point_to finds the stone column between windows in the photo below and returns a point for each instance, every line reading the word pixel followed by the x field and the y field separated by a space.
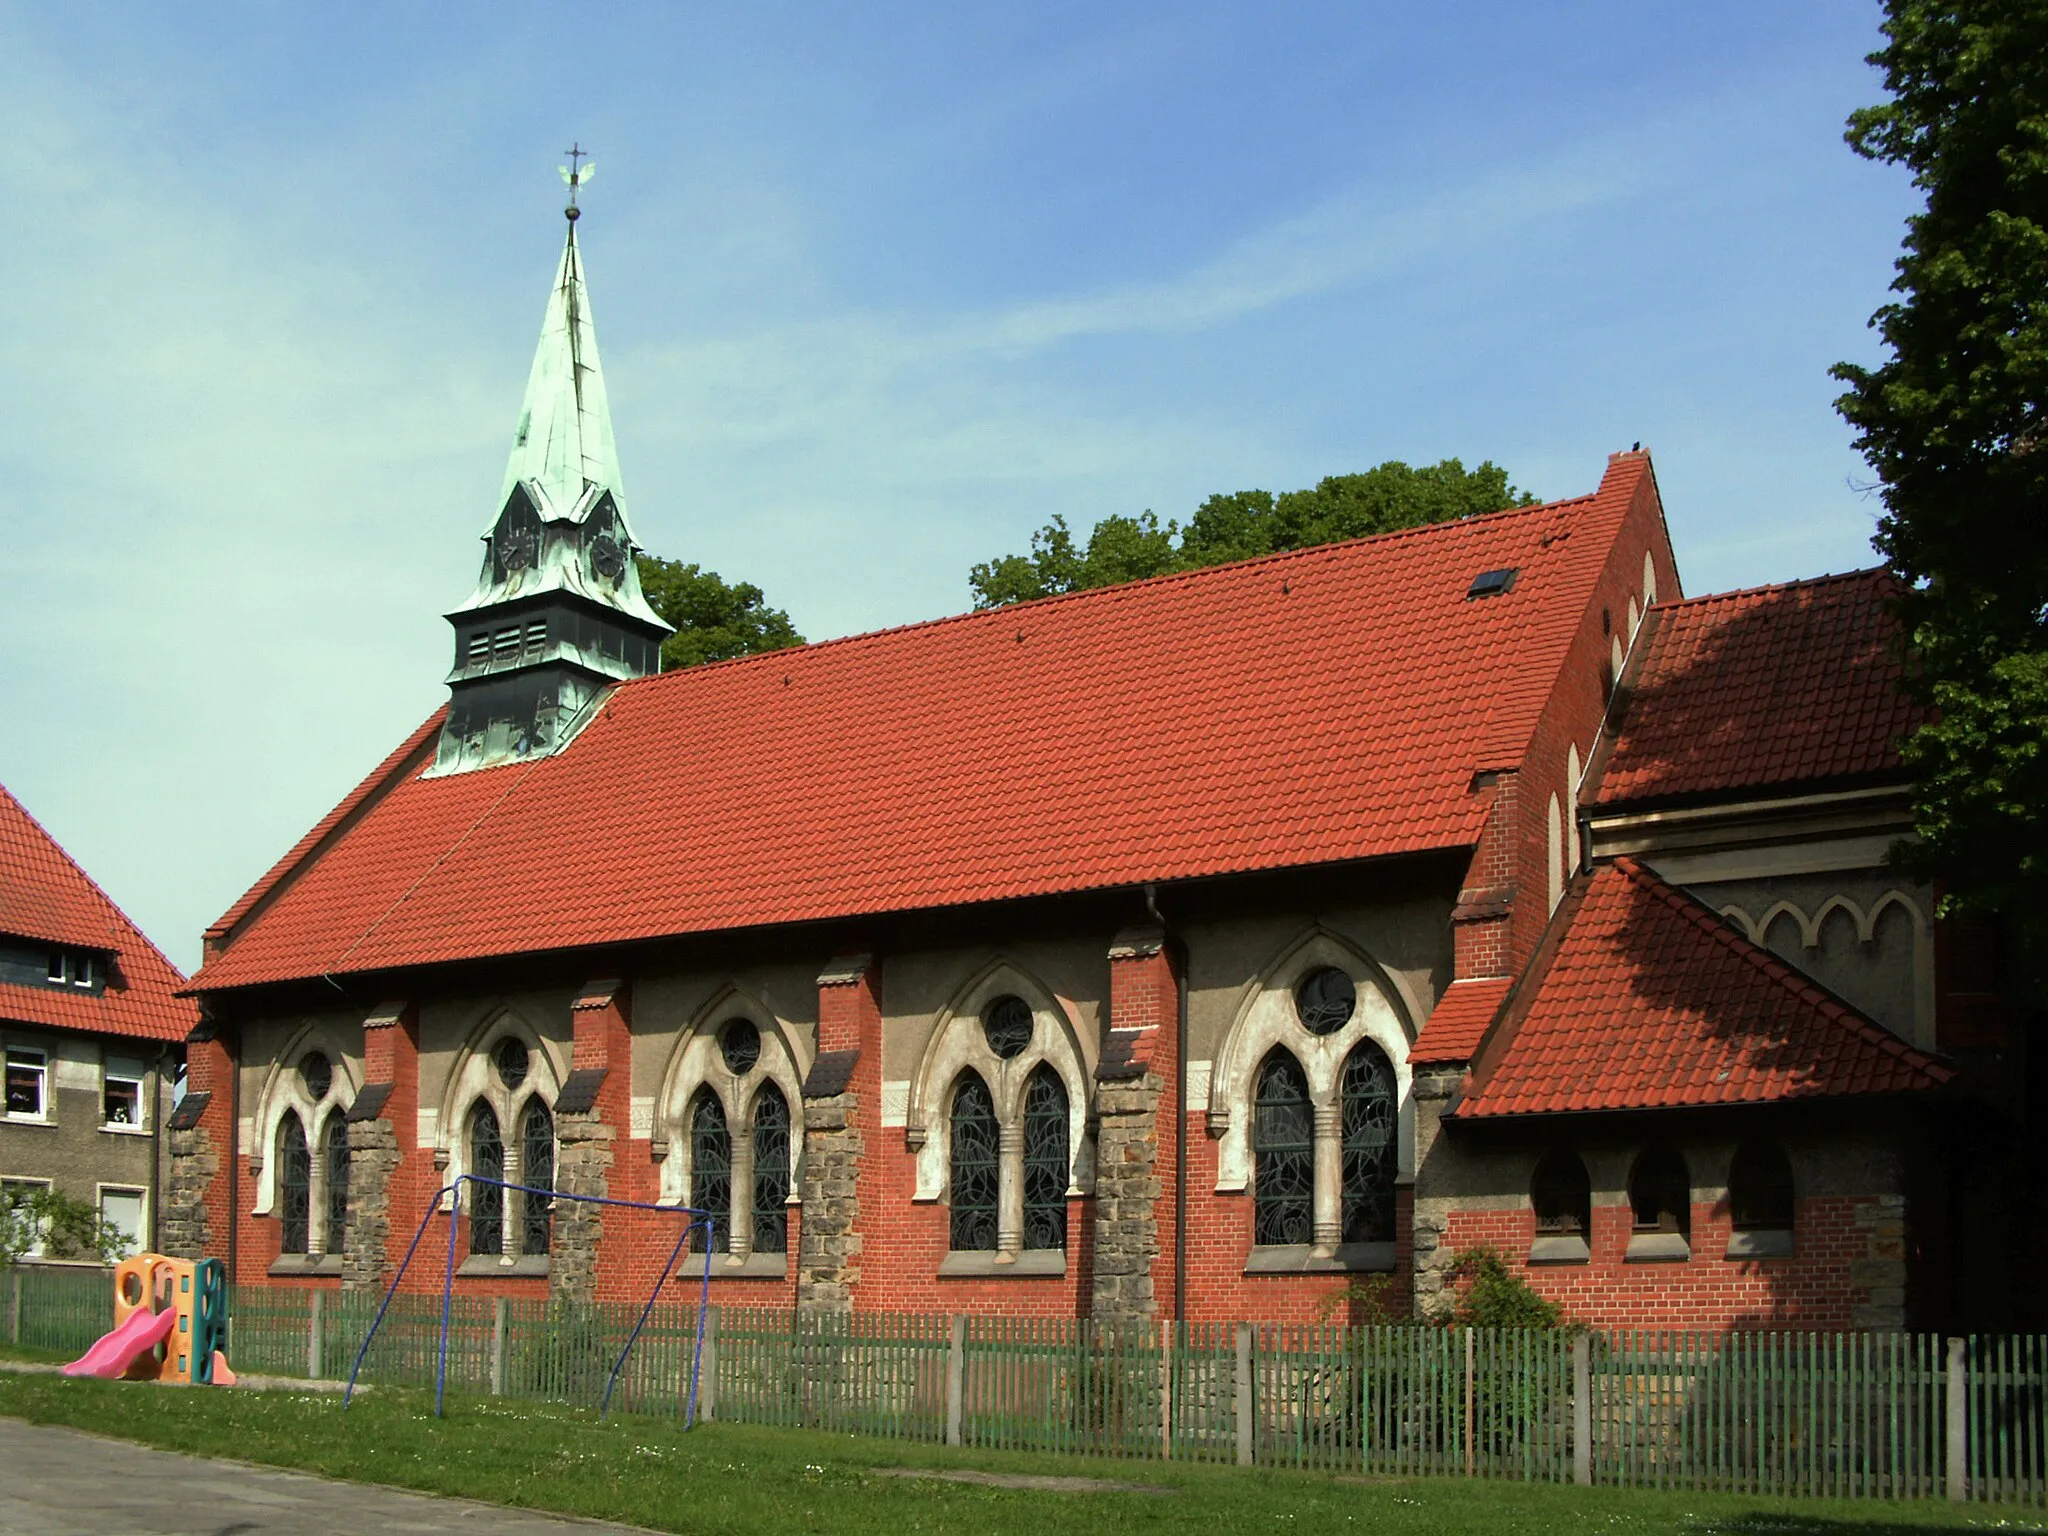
pixel 389 1099
pixel 1010 1188
pixel 1329 1205
pixel 742 1166
pixel 842 1120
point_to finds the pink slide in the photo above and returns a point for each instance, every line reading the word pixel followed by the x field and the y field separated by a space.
pixel 116 1351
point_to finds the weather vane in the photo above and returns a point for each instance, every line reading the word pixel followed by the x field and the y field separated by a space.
pixel 575 176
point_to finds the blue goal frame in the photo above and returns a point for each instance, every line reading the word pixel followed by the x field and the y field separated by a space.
pixel 452 1193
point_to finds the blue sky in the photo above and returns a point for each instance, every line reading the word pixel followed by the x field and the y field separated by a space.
pixel 879 290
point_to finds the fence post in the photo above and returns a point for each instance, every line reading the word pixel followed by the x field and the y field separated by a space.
pixel 1471 1349
pixel 313 1317
pixel 956 1381
pixel 1166 1340
pixel 1958 1394
pixel 1582 1411
pixel 1242 1395
pixel 499 1314
pixel 14 1309
pixel 707 1369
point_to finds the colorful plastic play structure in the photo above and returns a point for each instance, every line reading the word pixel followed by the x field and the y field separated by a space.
pixel 170 1324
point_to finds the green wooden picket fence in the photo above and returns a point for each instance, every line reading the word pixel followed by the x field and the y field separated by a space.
pixel 1850 1415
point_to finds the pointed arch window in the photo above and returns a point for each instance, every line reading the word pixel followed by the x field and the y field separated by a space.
pixel 1045 1160
pixel 334 1153
pixel 1283 1154
pixel 711 1169
pixel 536 1171
pixel 976 1162
pixel 294 1184
pixel 771 1171
pixel 1371 1150
pixel 486 1201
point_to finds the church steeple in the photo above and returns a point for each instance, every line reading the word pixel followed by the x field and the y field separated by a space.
pixel 557 614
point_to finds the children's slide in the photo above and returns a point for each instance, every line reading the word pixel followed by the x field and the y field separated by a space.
pixel 141 1332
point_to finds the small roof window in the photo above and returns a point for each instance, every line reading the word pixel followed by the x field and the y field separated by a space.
pixel 1492 583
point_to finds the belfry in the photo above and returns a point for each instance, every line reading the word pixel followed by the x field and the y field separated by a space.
pixel 557 615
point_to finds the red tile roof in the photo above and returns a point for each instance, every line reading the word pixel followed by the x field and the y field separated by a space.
pixel 1771 687
pixel 44 896
pixel 1648 1000
pixel 1325 705
pixel 1458 1022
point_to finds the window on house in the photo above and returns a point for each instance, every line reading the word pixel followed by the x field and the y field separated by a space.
pixel 1045 1160
pixel 28 1083
pixel 1562 1194
pixel 976 1162
pixel 1371 1152
pixel 317 1073
pixel 1325 1000
pixel 1283 1154
pixel 771 1171
pixel 512 1060
pixel 1760 1194
pixel 121 1091
pixel 294 1185
pixel 334 1153
pixel 486 1201
pixel 739 1046
pixel 536 1171
pixel 71 968
pixel 711 1170
pixel 1007 1025
pixel 122 1209
pixel 15 1195
pixel 1660 1200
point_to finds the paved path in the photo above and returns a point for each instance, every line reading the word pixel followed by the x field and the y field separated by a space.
pixel 60 1482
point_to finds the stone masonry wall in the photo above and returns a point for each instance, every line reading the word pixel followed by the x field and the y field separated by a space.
pixel 373 1158
pixel 583 1162
pixel 829 1244
pixel 185 1230
pixel 1128 1191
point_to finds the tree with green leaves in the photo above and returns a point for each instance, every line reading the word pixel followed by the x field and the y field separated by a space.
pixel 1244 524
pixel 715 620
pixel 1952 422
pixel 38 1218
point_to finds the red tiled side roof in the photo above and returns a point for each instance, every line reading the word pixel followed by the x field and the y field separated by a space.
pixel 1775 686
pixel 1650 1001
pixel 1325 705
pixel 1458 1022
pixel 45 896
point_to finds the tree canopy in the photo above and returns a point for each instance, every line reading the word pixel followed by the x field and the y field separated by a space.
pixel 1952 423
pixel 1242 524
pixel 715 620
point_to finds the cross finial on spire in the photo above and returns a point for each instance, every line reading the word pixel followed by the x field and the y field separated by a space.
pixel 576 174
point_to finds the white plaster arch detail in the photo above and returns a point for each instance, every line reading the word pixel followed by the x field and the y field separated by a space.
pixel 1809 935
pixel 283 1088
pixel 1890 899
pixel 1266 1018
pixel 695 1061
pixel 1635 618
pixel 1649 580
pixel 1859 920
pixel 1574 772
pixel 957 1042
pixel 1923 960
pixel 473 1076
pixel 1749 929
pixel 1554 852
pixel 1615 657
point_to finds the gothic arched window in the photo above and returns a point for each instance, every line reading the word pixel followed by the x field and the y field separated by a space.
pixel 1045 1160
pixel 536 1171
pixel 976 1160
pixel 294 1184
pixel 1760 1196
pixel 711 1169
pixel 771 1171
pixel 486 1201
pixel 1283 1154
pixel 334 1149
pixel 1371 1154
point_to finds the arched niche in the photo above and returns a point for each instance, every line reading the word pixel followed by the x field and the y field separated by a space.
pixel 697 1061
pixel 473 1075
pixel 1266 1017
pixel 957 1042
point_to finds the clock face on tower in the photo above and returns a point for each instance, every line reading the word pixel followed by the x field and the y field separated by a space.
pixel 607 558
pixel 515 544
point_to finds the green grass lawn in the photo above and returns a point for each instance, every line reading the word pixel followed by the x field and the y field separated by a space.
pixel 732 1478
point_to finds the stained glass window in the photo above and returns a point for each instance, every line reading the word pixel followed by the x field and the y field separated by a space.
pixel 711 1170
pixel 976 1155
pixel 771 1171
pixel 1283 1154
pixel 486 1201
pixel 1371 1149
pixel 335 1151
pixel 1325 1001
pixel 1045 1160
pixel 536 1171
pixel 1760 1188
pixel 1562 1195
pixel 1006 1025
pixel 294 1183
pixel 739 1042
pixel 318 1074
pixel 512 1059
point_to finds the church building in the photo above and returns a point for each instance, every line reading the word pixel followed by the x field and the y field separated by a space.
pixel 1240 944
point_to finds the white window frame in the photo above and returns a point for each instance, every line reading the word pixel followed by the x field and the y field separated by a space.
pixel 42 1069
pixel 141 1194
pixel 140 1078
pixel 35 1250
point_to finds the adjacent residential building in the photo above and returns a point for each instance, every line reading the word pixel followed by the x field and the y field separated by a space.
pixel 1238 944
pixel 93 1032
